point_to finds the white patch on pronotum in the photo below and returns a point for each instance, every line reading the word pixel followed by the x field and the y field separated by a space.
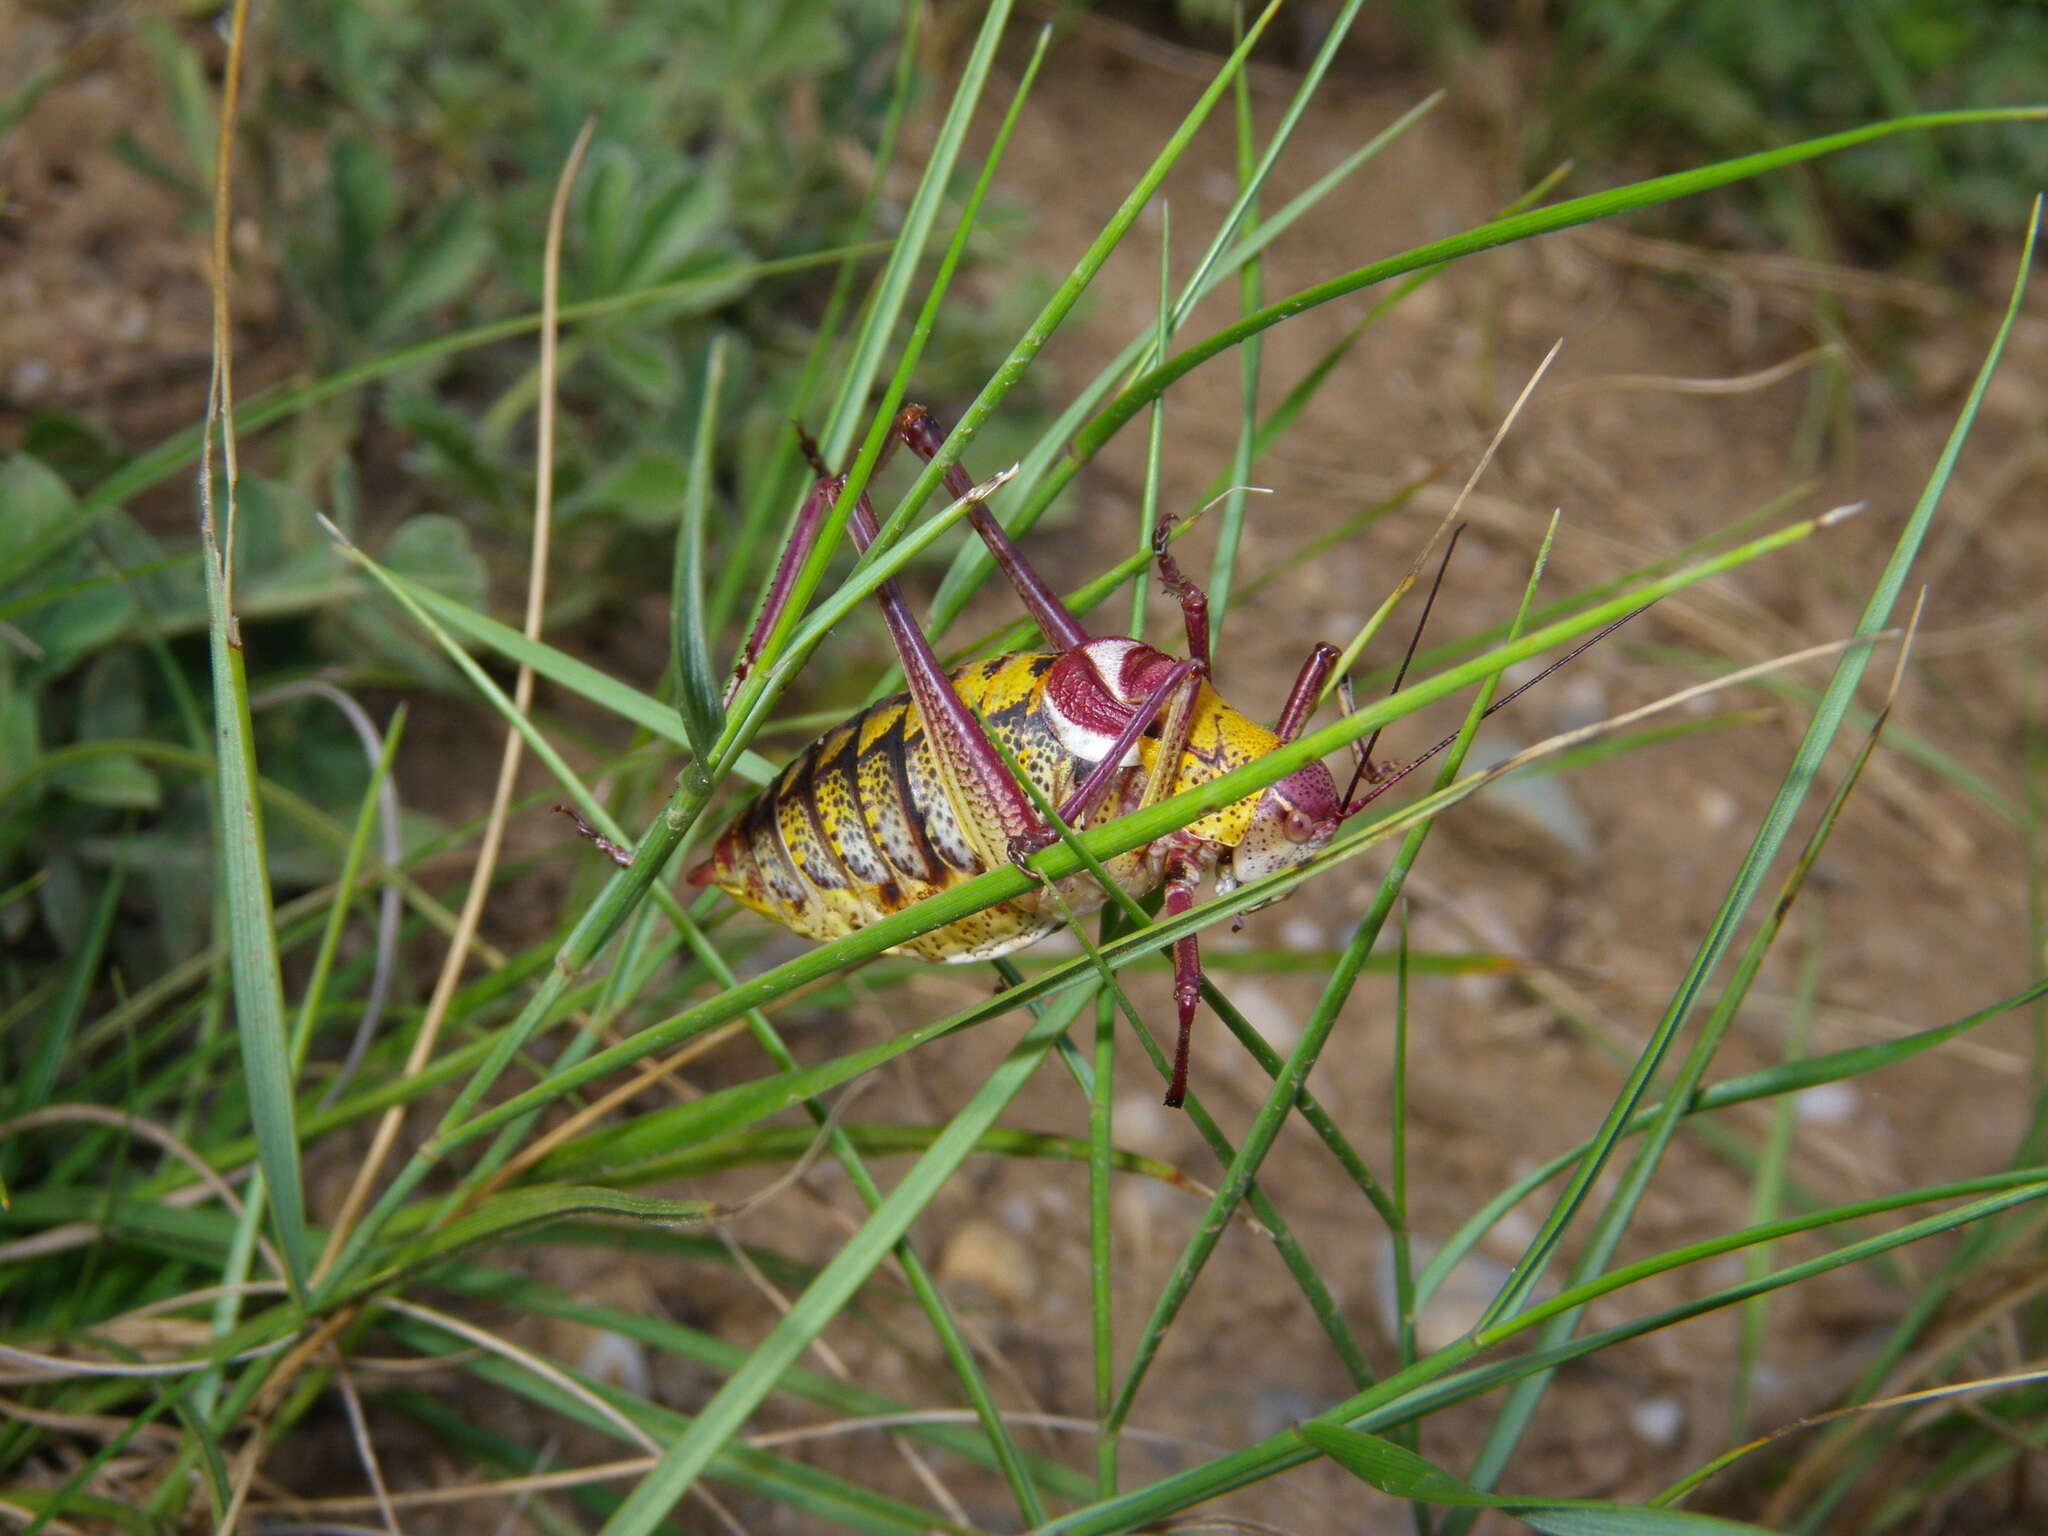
pixel 1085 715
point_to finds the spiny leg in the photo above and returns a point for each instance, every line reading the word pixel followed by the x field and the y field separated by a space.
pixel 1308 687
pixel 1194 602
pixel 623 857
pixel 1187 978
pixel 808 518
pixel 918 431
pixel 994 811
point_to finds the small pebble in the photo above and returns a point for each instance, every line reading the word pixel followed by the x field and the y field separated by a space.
pixel 618 1361
pixel 1020 1214
pixel 1658 1420
pixel 1302 934
pixel 1717 809
pixel 983 1255
pixel 1827 1104
pixel 31 376
pixel 1280 1024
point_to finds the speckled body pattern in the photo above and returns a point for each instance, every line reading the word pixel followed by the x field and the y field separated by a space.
pixel 859 825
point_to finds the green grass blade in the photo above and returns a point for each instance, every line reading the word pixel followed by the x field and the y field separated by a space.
pixel 1777 820
pixel 1230 526
pixel 252 938
pixel 892 286
pixel 1243 1166
pixel 1155 433
pixel 45 1056
pixel 579 677
pixel 697 690
pixel 1763 849
pixel 1101 1270
pixel 315 991
pixel 834 1503
pixel 734 1403
pixel 1770 1082
pixel 1767 1199
pixel 1068 294
pixel 527 1209
pixel 973 563
pixel 774 479
pixel 1292 1077
pixel 1442 1378
pixel 1498 232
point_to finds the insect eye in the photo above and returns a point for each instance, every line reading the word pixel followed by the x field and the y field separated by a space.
pixel 1299 826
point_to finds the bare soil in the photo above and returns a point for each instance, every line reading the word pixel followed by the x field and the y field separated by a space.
pixel 1601 886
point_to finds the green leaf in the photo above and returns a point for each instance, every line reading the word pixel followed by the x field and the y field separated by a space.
pixel 20 739
pixel 1624 1520
pixel 75 627
pixel 438 263
pixel 35 508
pixel 1388 1467
pixel 644 365
pixel 645 487
pixel 252 933
pixel 365 208
pixel 674 226
pixel 457 453
pixel 434 551
pixel 76 447
pixel 190 100
pixel 42 1056
pixel 110 696
pixel 120 782
pixel 607 215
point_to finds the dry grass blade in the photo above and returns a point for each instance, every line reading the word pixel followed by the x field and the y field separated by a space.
pixel 462 1493
pixel 366 1449
pixel 1740 384
pixel 567 1130
pixel 526 1360
pixel 36 1366
pixel 2035 1372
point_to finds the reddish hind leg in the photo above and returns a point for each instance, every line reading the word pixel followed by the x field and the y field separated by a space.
pixel 916 429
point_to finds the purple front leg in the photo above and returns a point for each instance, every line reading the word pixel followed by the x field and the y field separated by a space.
pixel 1308 686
